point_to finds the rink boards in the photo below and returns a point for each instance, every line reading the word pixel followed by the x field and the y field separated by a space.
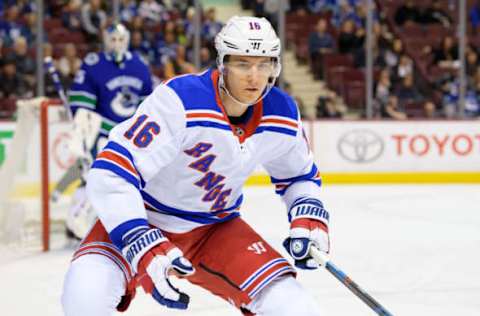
pixel 394 152
pixel 345 152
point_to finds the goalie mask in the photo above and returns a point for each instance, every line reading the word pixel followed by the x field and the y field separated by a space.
pixel 248 36
pixel 116 39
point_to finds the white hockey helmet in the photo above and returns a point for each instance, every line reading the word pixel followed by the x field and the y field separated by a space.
pixel 116 39
pixel 248 36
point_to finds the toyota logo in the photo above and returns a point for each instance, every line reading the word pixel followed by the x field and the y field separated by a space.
pixel 360 146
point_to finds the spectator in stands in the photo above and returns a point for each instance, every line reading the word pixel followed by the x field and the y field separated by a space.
pixel 94 20
pixel 344 12
pixel 26 6
pixel 169 26
pixel 471 61
pixel 180 33
pixel 71 16
pixel 349 39
pixel 434 14
pixel 474 79
pixel 330 106
pixel 178 65
pixel 206 61
pixel 30 30
pixel 475 16
pixel 25 65
pixel 10 28
pixel 392 109
pixel 383 37
pixel 152 12
pixel 13 84
pixel 47 49
pixel 211 26
pixel 143 47
pixel 316 6
pixel 403 69
pixel 472 102
pixel 430 111
pixel 383 87
pixel 182 6
pixel 407 92
pixel 166 49
pixel 320 42
pixel 446 56
pixel 407 13
pixel 128 9
pixel 138 25
pixel 69 63
pixel 450 91
pixel 392 55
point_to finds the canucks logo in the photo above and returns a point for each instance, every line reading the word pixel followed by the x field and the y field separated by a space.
pixel 125 102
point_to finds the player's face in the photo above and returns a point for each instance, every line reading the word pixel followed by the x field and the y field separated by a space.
pixel 118 43
pixel 247 76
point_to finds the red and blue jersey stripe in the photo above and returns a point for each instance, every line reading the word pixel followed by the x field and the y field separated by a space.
pixel 117 159
pixel 281 185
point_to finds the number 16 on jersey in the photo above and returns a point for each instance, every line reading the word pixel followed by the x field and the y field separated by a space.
pixel 142 132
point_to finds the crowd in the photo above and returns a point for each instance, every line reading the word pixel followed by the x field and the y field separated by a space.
pixel 416 60
pixel 161 32
pixel 415 55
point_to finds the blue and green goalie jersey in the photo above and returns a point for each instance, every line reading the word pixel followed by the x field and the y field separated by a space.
pixel 112 90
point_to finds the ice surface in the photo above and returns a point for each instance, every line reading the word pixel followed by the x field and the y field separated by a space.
pixel 416 249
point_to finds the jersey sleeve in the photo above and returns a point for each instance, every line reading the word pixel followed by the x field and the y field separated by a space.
pixel 293 172
pixel 83 91
pixel 137 150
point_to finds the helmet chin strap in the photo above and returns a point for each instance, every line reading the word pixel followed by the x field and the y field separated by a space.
pixel 222 85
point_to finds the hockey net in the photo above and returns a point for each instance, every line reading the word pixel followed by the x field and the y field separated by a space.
pixel 36 157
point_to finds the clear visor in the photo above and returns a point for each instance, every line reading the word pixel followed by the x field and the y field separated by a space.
pixel 263 68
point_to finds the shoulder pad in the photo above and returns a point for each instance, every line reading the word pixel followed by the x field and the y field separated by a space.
pixel 91 59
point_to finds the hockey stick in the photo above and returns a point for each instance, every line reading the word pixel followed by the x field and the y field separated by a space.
pixel 50 68
pixel 76 170
pixel 352 286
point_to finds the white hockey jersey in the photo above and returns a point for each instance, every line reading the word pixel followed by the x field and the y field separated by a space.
pixel 178 163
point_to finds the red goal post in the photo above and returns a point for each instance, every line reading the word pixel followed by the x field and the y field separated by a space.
pixel 36 158
pixel 45 169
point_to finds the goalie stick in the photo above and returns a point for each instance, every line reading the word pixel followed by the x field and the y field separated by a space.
pixel 50 68
pixel 345 280
pixel 77 170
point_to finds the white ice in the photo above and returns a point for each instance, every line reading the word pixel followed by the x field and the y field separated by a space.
pixel 416 249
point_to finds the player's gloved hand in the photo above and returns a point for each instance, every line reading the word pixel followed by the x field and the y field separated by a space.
pixel 308 228
pixel 153 257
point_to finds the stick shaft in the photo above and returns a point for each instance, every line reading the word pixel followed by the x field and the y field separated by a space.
pixel 48 63
pixel 349 283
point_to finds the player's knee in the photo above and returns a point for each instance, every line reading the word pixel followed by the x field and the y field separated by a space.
pixel 284 297
pixel 93 286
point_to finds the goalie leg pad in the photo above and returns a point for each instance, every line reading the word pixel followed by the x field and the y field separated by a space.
pixel 86 127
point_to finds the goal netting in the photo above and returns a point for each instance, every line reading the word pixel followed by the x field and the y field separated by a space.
pixel 35 159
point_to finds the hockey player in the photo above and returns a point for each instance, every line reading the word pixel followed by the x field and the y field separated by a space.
pixel 168 188
pixel 106 90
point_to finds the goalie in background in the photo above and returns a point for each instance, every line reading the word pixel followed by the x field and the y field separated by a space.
pixel 107 89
